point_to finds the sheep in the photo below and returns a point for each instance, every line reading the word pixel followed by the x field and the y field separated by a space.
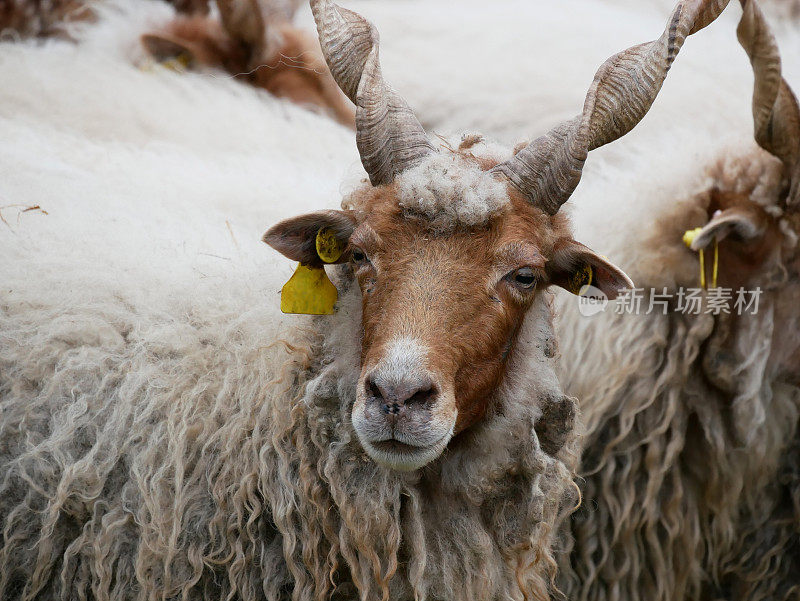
pixel 163 433
pixel 255 39
pixel 689 458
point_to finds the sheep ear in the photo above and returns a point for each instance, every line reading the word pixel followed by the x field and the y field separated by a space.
pixel 296 238
pixel 574 266
pixel 745 223
pixel 163 47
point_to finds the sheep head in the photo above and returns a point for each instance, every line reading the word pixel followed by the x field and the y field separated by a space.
pixel 443 296
pixel 451 249
pixel 738 215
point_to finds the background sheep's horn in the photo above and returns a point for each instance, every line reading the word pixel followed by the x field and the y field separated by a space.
pixel 775 110
pixel 548 170
pixel 389 136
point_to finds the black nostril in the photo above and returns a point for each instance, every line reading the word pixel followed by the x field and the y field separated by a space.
pixel 421 396
pixel 373 390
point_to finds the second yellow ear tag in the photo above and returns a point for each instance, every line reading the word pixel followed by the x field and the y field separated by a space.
pixel 581 277
pixel 179 63
pixel 309 292
pixel 690 235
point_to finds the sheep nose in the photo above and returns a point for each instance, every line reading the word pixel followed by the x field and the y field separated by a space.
pixel 394 397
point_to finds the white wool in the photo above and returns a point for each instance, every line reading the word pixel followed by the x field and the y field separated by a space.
pixel 153 182
pixel 449 190
pixel 512 69
pixel 509 69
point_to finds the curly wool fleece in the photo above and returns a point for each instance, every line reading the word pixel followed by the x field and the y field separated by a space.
pixel 148 455
pixel 449 191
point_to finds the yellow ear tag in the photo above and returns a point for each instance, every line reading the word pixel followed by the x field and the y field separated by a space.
pixel 688 238
pixel 690 235
pixel 309 291
pixel 329 248
pixel 581 277
pixel 179 63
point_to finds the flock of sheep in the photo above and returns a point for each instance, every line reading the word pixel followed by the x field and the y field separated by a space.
pixel 463 426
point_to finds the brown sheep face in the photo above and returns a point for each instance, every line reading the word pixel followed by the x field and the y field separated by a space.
pixel 442 305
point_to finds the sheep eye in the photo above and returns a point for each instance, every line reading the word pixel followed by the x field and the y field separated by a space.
pixel 358 255
pixel 523 278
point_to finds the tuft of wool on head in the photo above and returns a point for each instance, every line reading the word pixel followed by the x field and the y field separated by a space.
pixel 450 190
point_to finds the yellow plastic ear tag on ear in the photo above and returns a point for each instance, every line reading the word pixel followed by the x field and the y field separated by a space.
pixel 688 238
pixel 329 248
pixel 179 63
pixel 580 278
pixel 690 235
pixel 309 292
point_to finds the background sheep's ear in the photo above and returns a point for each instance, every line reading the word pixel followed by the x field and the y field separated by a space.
pixel 745 222
pixel 296 238
pixel 163 47
pixel 574 265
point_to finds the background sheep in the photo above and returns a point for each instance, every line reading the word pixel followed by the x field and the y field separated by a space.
pixel 256 41
pixel 692 419
pixel 42 18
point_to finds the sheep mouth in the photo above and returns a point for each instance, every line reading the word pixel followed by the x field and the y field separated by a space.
pixel 395 446
pixel 403 456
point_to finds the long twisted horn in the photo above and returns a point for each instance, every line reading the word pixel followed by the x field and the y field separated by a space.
pixel 390 139
pixel 548 170
pixel 776 114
